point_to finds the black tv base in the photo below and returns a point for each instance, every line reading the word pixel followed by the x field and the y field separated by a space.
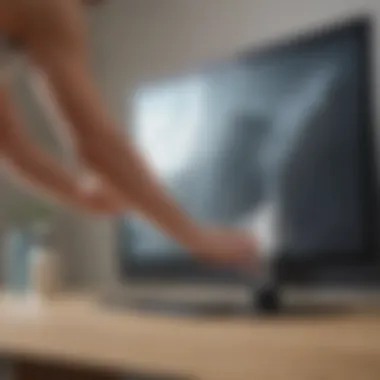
pixel 267 300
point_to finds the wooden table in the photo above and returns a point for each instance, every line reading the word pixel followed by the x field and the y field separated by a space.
pixel 75 338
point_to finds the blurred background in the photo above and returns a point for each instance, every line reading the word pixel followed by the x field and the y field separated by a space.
pixel 134 42
pixel 137 41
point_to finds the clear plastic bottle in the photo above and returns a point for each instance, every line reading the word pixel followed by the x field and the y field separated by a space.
pixel 44 276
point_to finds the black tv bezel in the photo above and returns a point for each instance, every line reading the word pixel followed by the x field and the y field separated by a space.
pixel 365 267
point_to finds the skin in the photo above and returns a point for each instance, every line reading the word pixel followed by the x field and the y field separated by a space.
pixel 53 35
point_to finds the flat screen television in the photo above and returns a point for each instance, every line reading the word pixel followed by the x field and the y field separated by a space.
pixel 289 126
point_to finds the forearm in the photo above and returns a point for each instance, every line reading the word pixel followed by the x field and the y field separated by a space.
pixel 112 155
pixel 90 181
pixel 29 164
pixel 115 157
pixel 105 148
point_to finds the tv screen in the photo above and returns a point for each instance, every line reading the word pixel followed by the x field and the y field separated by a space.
pixel 284 129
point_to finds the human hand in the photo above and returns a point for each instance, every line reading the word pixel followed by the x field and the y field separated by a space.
pixel 226 246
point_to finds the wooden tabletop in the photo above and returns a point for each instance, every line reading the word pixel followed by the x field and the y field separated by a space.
pixel 80 331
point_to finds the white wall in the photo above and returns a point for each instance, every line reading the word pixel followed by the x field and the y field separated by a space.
pixel 137 40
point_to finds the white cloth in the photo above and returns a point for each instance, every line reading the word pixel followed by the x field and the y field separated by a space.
pixel 262 224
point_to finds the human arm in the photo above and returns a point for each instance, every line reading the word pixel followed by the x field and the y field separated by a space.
pixel 31 165
pixel 55 41
pixel 101 192
pixel 57 45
